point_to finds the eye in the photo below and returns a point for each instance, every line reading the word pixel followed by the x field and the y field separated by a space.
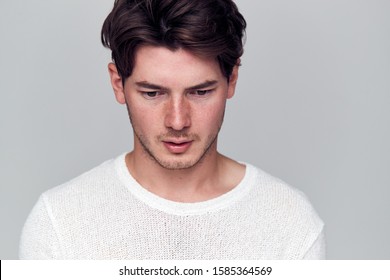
pixel 150 94
pixel 201 92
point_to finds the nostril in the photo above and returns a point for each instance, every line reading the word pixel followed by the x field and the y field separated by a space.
pixel 178 121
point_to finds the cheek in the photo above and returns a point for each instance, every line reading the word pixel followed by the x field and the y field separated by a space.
pixel 211 115
pixel 141 119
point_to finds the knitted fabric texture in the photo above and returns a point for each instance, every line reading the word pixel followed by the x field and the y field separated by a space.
pixel 106 214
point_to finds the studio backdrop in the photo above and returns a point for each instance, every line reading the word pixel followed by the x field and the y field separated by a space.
pixel 311 107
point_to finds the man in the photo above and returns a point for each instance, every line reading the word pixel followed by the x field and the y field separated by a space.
pixel 175 64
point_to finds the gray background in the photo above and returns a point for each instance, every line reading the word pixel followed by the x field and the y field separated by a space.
pixel 311 108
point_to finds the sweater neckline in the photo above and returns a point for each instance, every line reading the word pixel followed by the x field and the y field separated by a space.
pixel 183 208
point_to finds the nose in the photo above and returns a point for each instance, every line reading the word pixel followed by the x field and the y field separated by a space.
pixel 178 113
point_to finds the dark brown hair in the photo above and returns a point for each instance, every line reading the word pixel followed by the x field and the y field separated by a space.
pixel 208 28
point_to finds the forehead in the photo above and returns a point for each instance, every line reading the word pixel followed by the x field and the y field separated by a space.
pixel 160 64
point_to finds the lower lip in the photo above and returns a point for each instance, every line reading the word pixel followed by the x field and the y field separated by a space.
pixel 177 148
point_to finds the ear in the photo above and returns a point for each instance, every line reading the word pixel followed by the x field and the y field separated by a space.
pixel 233 80
pixel 117 84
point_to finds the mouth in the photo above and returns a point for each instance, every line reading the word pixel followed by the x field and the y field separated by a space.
pixel 177 147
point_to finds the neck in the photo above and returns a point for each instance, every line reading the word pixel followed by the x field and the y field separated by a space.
pixel 209 178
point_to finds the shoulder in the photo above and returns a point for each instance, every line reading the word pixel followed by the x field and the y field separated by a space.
pixel 286 211
pixel 90 189
pixel 67 210
pixel 278 193
pixel 91 181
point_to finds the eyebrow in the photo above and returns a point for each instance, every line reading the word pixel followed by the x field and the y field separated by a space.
pixel 148 85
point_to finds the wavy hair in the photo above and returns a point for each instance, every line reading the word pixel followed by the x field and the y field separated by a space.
pixel 208 28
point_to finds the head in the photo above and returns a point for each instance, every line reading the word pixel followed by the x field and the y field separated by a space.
pixel 206 28
pixel 177 112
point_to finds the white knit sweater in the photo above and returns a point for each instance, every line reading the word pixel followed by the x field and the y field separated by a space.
pixel 106 214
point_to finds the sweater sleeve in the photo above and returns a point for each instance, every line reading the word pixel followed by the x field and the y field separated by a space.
pixel 317 250
pixel 39 240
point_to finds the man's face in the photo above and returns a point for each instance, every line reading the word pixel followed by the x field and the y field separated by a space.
pixel 176 103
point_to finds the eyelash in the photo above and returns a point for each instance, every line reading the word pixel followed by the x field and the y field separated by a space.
pixel 155 94
pixel 202 92
pixel 146 94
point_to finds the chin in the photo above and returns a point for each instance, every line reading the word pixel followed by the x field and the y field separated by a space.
pixel 177 164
